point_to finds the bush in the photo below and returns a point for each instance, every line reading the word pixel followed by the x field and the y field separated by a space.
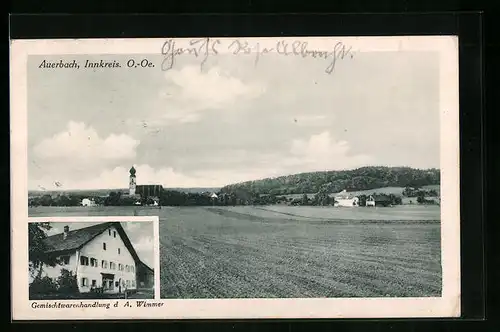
pixel 43 285
pixel 67 282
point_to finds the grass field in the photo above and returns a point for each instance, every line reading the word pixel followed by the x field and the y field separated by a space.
pixel 398 191
pixel 277 251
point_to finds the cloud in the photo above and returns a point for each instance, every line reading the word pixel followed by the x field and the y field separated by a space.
pixel 131 226
pixel 212 88
pixel 189 92
pixel 144 246
pixel 317 152
pixel 82 144
pixel 144 243
pixel 116 178
pixel 146 174
pixel 322 152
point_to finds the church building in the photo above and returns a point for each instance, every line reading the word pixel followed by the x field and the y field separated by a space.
pixel 144 192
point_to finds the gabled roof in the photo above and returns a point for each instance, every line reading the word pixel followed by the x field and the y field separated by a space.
pixel 77 238
pixel 145 266
pixel 345 196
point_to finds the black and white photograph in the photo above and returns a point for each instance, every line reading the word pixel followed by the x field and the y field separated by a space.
pixel 89 260
pixel 279 168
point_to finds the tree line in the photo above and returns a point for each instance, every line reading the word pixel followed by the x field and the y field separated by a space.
pixel 364 178
pixel 239 196
pixel 419 192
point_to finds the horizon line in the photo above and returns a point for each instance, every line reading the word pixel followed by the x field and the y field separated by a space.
pixel 236 183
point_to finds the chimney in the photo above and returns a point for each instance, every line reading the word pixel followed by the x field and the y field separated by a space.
pixel 66 231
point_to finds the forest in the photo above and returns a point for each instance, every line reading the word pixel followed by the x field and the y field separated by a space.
pixel 364 178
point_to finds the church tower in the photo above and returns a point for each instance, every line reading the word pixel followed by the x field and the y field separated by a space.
pixel 132 182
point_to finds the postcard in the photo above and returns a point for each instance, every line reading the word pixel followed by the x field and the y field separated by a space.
pixel 235 178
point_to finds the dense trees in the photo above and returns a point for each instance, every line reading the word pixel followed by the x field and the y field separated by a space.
pixel 66 284
pixel 58 200
pixel 37 248
pixel 38 259
pixel 364 178
pixel 416 192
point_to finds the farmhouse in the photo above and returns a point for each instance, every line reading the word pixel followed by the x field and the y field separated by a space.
pixel 345 199
pixel 101 256
pixel 88 202
pixel 378 200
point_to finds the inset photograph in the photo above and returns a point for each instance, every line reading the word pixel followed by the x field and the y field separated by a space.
pixel 91 260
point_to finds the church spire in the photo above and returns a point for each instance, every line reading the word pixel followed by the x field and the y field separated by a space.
pixel 132 185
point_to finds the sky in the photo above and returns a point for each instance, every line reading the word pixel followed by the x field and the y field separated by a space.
pixel 229 121
pixel 141 234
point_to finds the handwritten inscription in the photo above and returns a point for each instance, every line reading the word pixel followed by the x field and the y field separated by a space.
pixel 203 48
pixel 199 48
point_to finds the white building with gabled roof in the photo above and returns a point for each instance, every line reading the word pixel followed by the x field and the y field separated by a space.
pixel 101 256
pixel 345 199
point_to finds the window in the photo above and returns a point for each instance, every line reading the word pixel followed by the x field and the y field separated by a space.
pixel 132 269
pixel 93 262
pixel 104 264
pixel 128 283
pixel 133 283
pixel 120 267
pixel 118 251
pixel 117 284
pixel 114 233
pixel 127 268
pixel 84 260
pixel 65 260
pixel 104 246
pixel 85 282
pixel 109 232
pixel 112 266
pixel 94 283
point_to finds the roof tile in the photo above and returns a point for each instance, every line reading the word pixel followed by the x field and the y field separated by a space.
pixel 76 238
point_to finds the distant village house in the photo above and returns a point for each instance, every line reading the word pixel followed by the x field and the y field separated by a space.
pixel 378 200
pixel 345 199
pixel 88 202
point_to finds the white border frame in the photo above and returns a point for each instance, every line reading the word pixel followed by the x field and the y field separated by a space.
pixel 448 305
